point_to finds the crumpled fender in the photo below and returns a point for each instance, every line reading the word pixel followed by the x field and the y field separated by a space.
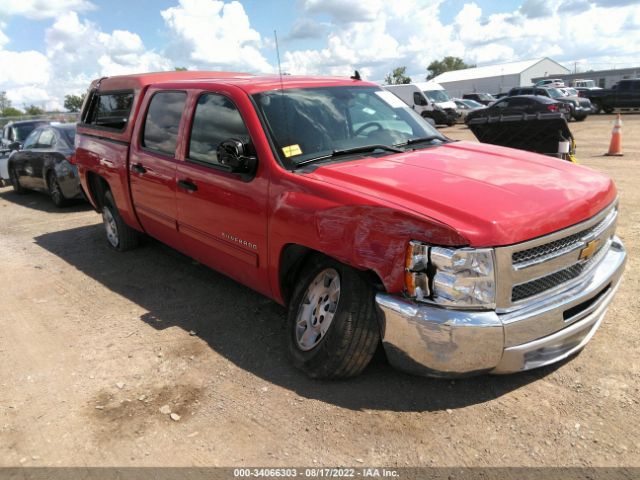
pixel 366 237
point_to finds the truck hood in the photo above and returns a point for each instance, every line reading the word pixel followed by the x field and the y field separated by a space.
pixel 490 195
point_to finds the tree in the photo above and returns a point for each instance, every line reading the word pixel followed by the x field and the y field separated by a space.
pixel 33 110
pixel 11 112
pixel 180 69
pixel 447 64
pixel 397 77
pixel 73 103
pixel 5 103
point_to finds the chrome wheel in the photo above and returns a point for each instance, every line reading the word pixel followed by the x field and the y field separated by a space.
pixel 317 309
pixel 110 226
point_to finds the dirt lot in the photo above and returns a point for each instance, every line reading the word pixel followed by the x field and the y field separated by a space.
pixel 94 342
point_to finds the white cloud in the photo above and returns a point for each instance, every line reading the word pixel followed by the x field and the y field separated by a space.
pixel 342 11
pixel 41 9
pixel 213 34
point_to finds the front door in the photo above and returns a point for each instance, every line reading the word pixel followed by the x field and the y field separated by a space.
pixel 222 217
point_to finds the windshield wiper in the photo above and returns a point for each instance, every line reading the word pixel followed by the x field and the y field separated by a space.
pixel 349 151
pixel 412 141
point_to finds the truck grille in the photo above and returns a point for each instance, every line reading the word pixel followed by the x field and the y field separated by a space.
pixel 529 269
pixel 535 287
pixel 556 247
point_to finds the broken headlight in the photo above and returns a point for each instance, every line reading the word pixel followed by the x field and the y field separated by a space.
pixel 452 277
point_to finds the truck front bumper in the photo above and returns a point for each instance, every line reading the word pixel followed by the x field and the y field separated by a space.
pixel 428 340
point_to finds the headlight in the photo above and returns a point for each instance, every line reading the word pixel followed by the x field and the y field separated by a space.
pixel 461 277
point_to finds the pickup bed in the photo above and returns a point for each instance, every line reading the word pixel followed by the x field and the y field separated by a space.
pixel 332 197
pixel 624 95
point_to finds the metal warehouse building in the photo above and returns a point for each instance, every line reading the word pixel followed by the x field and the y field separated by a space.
pixel 498 78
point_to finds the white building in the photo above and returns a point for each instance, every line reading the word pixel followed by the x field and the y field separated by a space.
pixel 498 78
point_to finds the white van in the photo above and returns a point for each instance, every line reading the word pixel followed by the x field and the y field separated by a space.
pixel 416 98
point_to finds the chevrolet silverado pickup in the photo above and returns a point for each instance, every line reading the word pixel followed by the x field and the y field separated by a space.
pixel 334 198
pixel 625 94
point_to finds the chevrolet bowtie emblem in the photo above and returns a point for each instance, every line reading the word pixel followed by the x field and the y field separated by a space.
pixel 589 249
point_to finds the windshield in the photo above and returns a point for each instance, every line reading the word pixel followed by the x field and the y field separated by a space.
pixel 22 131
pixel 309 123
pixel 473 104
pixel 486 97
pixel 555 93
pixel 437 96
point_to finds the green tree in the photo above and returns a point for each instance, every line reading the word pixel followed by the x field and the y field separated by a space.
pixel 4 103
pixel 447 64
pixel 33 110
pixel 397 77
pixel 180 69
pixel 73 103
pixel 11 112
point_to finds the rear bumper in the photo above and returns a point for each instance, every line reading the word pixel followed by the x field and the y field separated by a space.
pixel 428 340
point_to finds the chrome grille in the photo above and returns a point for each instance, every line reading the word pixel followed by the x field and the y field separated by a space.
pixel 530 289
pixel 555 247
pixel 528 270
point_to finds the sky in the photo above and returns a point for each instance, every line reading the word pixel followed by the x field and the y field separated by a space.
pixel 50 48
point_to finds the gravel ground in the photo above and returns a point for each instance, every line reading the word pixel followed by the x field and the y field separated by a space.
pixel 98 349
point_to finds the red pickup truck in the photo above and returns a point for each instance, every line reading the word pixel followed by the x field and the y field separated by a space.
pixel 334 198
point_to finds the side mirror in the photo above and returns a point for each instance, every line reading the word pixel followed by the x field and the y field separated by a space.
pixel 232 154
pixel 14 146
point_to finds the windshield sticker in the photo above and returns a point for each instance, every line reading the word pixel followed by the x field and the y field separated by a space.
pixel 291 150
pixel 369 111
pixel 390 99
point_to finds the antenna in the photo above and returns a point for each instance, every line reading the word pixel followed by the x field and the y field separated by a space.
pixel 284 107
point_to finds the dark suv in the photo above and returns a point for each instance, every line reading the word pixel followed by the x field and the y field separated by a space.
pixel 518 105
pixel 579 108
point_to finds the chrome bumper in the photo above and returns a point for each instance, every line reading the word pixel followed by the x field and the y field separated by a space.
pixel 428 340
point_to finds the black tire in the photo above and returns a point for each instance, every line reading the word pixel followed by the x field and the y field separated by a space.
pixel 57 197
pixel 580 118
pixel 351 338
pixel 608 109
pixel 15 182
pixel 596 107
pixel 120 236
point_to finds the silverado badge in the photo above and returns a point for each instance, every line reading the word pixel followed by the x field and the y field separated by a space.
pixel 589 249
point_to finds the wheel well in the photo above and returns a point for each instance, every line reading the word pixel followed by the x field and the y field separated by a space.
pixel 293 259
pixel 98 186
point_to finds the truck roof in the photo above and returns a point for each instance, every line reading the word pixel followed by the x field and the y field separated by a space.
pixel 250 83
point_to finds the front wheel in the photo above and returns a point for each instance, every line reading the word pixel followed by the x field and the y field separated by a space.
pixel 15 182
pixel 120 236
pixel 332 326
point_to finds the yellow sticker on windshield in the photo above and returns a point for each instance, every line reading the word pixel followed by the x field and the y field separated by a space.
pixel 291 150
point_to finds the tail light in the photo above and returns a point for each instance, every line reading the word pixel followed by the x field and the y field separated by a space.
pixel 71 158
pixel 552 108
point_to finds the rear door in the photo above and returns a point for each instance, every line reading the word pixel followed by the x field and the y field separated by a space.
pixel 222 217
pixel 152 164
pixel 22 161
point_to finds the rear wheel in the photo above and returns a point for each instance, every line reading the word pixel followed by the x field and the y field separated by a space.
pixel 332 326
pixel 15 182
pixel 120 236
pixel 55 192
pixel 580 118
pixel 608 109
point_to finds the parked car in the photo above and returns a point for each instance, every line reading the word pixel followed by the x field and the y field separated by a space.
pixel 519 105
pixel 334 198
pixel 500 95
pixel 13 134
pixel 464 107
pixel 45 163
pixel 579 108
pixel 550 82
pixel 483 98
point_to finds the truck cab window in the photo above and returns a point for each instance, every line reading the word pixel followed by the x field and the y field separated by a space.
pixel 216 119
pixel 163 121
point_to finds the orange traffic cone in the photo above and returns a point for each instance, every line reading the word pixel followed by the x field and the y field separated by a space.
pixel 615 147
